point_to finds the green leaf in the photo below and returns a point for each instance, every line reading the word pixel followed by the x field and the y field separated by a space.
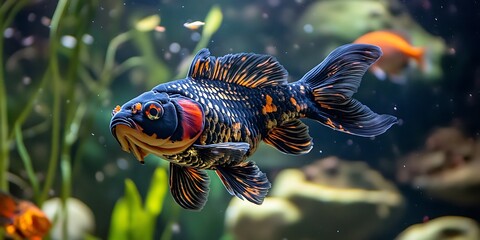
pixel 90 237
pixel 119 226
pixel 129 219
pixel 212 21
pixel 132 197
pixel 142 225
pixel 156 192
pixel 148 23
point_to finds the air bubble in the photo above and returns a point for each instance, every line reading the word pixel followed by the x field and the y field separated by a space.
pixel 99 176
pixel 87 39
pixel 174 47
pixel 195 36
pixel 122 163
pixel 68 41
pixel 308 28
pixel 8 33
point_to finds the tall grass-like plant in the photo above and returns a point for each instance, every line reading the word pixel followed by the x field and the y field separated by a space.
pixel 8 11
pixel 133 219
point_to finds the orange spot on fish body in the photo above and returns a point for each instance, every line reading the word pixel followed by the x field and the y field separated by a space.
pixel 236 131
pixel 269 106
pixel 295 103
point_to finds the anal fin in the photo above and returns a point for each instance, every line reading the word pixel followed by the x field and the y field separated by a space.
pixel 189 186
pixel 291 138
pixel 245 181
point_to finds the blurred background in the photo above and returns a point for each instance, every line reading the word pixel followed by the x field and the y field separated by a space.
pixel 66 64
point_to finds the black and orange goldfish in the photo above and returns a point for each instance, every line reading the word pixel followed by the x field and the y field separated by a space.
pixel 215 118
pixel 22 219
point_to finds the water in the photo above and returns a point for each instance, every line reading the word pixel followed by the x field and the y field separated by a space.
pixel 101 58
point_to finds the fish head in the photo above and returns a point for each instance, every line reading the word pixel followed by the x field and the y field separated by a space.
pixel 157 123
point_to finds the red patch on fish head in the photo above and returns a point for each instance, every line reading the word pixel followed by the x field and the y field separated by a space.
pixel 193 119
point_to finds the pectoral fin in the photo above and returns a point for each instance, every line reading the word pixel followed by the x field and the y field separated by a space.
pixel 223 153
pixel 189 186
pixel 245 181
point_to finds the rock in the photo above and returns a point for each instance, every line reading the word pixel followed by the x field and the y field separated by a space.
pixel 447 167
pixel 257 222
pixel 81 220
pixel 443 228
pixel 324 201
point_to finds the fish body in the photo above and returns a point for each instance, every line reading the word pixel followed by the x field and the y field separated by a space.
pixel 397 52
pixel 234 113
pixel 215 118
pixel 22 219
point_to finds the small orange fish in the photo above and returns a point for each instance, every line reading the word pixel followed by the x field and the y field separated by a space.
pixel 397 52
pixel 194 25
pixel 22 219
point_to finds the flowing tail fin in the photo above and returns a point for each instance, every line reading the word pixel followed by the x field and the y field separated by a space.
pixel 334 81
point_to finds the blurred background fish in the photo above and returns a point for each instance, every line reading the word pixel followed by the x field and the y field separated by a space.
pixel 22 219
pixel 194 25
pixel 397 55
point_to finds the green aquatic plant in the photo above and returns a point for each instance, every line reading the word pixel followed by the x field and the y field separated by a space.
pixel 59 82
pixel 132 219
pixel 8 11
pixel 139 34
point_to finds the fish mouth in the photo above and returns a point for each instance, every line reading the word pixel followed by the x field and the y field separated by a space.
pixel 133 140
pixel 125 136
pixel 123 129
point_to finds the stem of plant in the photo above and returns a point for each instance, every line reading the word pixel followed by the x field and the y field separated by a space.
pixel 27 161
pixel 56 82
pixel 8 11
pixel 3 125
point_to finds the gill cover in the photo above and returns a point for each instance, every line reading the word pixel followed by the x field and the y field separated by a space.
pixel 180 121
pixel 191 119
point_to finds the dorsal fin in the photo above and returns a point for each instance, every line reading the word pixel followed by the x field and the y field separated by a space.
pixel 245 69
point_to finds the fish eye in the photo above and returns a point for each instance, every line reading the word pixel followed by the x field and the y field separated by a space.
pixel 153 110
